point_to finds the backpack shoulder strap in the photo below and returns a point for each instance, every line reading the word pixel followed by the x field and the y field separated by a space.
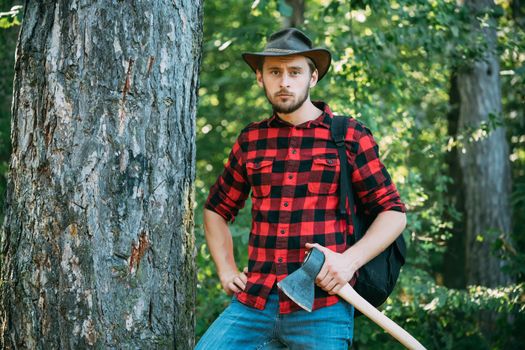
pixel 338 130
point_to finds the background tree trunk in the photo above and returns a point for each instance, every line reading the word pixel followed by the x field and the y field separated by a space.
pixel 98 237
pixel 485 162
pixel 518 12
pixel 296 18
pixel 454 275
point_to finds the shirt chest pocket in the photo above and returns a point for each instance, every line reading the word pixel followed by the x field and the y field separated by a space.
pixel 260 176
pixel 324 175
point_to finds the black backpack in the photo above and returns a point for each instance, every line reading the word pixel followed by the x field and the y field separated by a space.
pixel 377 278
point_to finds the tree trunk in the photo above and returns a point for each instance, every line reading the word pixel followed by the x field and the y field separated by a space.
pixel 484 162
pixel 518 12
pixel 296 19
pixel 454 258
pixel 98 235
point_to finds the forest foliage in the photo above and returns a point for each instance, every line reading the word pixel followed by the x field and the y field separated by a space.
pixel 392 66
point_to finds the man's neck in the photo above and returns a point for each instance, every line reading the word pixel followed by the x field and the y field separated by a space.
pixel 308 111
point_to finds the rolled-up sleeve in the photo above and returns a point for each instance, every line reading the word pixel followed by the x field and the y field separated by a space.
pixel 372 182
pixel 228 195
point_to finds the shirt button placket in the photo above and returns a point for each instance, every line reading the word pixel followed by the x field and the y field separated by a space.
pixel 293 146
pixel 286 205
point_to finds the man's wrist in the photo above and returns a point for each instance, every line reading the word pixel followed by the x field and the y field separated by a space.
pixel 352 258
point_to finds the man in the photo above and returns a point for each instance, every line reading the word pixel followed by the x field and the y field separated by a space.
pixel 290 164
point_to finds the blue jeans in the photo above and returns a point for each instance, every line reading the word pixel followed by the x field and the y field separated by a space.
pixel 244 327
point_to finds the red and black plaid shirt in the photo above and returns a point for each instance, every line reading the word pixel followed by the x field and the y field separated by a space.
pixel 293 173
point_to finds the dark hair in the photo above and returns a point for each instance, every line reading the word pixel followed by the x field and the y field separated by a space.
pixel 310 62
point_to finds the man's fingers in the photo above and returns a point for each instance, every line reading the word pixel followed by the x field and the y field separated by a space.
pixel 326 281
pixel 243 277
pixel 336 289
pixel 316 245
pixel 239 282
pixel 322 273
pixel 330 285
pixel 233 287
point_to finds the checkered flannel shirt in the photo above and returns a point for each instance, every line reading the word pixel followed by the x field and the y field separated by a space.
pixel 293 173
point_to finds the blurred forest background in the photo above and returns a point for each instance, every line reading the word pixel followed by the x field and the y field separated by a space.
pixel 400 67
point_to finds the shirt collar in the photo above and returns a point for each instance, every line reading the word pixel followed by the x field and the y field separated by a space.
pixel 324 120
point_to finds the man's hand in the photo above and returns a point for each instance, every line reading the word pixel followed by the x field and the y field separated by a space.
pixel 234 282
pixel 336 270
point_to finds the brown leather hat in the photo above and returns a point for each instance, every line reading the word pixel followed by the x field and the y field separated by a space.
pixel 291 41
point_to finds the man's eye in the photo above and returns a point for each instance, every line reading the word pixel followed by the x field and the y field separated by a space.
pixel 296 73
pixel 274 72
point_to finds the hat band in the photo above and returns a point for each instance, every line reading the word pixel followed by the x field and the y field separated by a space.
pixel 280 50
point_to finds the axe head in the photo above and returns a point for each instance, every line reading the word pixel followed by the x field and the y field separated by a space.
pixel 300 285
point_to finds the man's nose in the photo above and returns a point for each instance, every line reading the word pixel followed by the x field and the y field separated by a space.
pixel 285 80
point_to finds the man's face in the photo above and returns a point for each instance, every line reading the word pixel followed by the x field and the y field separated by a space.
pixel 287 81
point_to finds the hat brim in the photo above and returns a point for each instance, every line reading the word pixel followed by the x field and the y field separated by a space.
pixel 321 57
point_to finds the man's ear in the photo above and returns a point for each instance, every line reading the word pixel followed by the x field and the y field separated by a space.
pixel 314 78
pixel 259 76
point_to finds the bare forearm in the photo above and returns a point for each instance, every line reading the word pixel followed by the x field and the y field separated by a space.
pixel 387 226
pixel 220 244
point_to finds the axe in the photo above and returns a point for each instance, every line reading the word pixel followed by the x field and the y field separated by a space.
pixel 299 286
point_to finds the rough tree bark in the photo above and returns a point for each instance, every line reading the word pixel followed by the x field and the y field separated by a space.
pixel 485 162
pixel 98 236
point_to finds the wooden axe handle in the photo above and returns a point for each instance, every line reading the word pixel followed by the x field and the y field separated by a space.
pixel 350 295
